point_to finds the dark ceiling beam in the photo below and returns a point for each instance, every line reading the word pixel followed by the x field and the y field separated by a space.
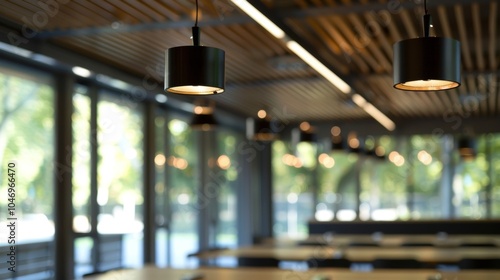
pixel 125 28
pixel 392 6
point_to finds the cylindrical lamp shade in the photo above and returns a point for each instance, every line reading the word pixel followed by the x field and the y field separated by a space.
pixel 337 143
pixel 194 70
pixel 427 64
pixel 467 148
pixel 260 130
pixel 203 122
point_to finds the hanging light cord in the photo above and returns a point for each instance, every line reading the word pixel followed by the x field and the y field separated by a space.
pixel 196 29
pixel 427 20
pixel 196 22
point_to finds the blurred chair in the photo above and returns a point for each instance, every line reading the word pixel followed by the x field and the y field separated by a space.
pixel 363 244
pixel 338 263
pixel 397 264
pixel 467 263
pixel 479 244
pixel 257 262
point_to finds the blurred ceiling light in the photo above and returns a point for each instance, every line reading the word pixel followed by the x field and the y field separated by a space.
pixel 82 72
pixel 308 58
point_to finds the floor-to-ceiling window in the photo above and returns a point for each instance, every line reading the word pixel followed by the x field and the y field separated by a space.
pixel 181 188
pixel 293 187
pixel 228 163
pixel 471 180
pixel 27 158
pixel 494 173
pixel 120 133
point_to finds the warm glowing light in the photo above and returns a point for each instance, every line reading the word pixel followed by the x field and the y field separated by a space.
pixel 262 114
pixel 424 157
pixel 160 159
pixel 305 126
pixel 329 162
pixel 181 163
pixel 224 162
pixel 354 143
pixel 322 157
pixel 428 85
pixel 171 160
pixel 392 155
pixel 198 110
pixel 297 163
pixel 196 90
pixel 288 159
pixel 396 158
pixel 380 151
pixel 205 110
pixel 399 160
pixel 335 131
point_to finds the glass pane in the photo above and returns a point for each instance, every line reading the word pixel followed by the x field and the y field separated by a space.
pixel 182 192
pixel 495 173
pixel 83 256
pixel 470 182
pixel 161 205
pixel 293 181
pixel 81 160
pixel 334 167
pixel 227 163
pixel 120 169
pixel 383 191
pixel 27 164
pixel 426 172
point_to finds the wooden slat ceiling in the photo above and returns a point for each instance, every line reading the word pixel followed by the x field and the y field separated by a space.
pixel 354 38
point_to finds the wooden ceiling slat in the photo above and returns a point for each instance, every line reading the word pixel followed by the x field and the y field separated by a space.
pixel 333 46
pixel 476 22
pixel 246 66
pixel 409 26
pixel 166 11
pixel 384 42
pixel 474 95
pixel 141 7
pixel 344 46
pixel 98 10
pixel 444 22
pixel 385 64
pixel 482 94
pixel 492 28
pixel 463 37
pixel 495 90
pixel 121 11
pixel 324 38
pixel 276 46
pixel 356 46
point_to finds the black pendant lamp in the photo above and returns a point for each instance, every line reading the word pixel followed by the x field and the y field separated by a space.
pixel 337 143
pixel 203 118
pixel 427 63
pixel 305 133
pixel 194 70
pixel 260 129
pixel 467 148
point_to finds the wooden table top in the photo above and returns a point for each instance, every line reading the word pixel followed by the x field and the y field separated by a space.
pixel 154 273
pixel 358 254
